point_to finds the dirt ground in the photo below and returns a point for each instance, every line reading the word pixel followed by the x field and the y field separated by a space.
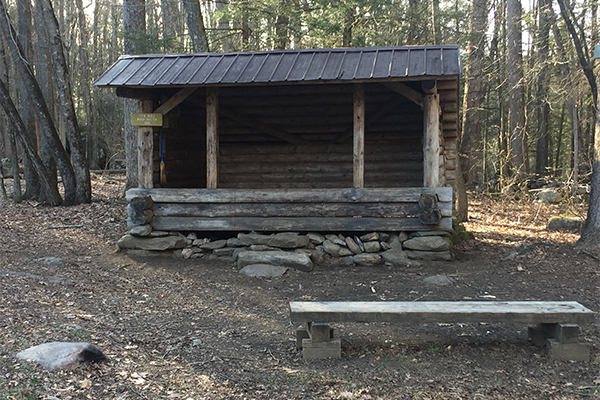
pixel 197 329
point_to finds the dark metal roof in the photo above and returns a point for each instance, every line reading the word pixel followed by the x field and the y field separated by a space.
pixel 282 66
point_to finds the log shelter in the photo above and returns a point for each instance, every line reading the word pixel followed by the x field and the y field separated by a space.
pixel 352 139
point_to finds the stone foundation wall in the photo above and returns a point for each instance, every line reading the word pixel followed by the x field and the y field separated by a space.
pixel 301 251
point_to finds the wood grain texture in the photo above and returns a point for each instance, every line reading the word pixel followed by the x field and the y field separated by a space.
pixel 358 180
pixel 212 137
pixel 443 312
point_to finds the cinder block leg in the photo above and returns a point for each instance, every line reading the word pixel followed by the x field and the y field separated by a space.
pixel 320 350
pixel 539 337
pixel 320 332
pixel 301 333
pixel 579 351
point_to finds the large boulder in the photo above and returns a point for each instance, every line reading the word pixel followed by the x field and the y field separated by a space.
pixel 428 243
pixel 55 355
pixel 284 240
pixel 564 223
pixel 549 196
pixel 152 243
pixel 299 261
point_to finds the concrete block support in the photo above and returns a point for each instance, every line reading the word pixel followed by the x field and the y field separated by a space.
pixel 579 351
pixel 320 350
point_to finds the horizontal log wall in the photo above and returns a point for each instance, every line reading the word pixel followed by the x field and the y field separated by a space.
pixel 297 210
pixel 319 116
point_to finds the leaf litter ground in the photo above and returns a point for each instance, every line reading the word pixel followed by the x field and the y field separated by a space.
pixel 197 329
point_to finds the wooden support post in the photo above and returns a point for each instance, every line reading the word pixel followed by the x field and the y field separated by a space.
pixel 359 136
pixel 145 148
pixel 431 140
pixel 212 137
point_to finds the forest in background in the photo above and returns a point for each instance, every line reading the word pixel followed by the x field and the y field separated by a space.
pixel 530 89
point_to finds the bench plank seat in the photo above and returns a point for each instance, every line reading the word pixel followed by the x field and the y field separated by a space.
pixel 529 312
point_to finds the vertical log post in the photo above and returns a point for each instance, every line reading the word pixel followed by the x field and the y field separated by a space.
pixel 145 147
pixel 212 137
pixel 359 136
pixel 431 140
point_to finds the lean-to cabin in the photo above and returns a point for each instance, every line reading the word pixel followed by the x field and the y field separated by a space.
pixel 353 139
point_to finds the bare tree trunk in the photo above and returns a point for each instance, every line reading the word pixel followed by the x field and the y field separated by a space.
pixel 32 188
pixel 39 105
pixel 590 236
pixel 413 22
pixel 347 31
pixel 570 96
pixel 470 144
pixel 223 27
pixel 61 76
pixel 517 156
pixel 48 192
pixel 86 91
pixel 435 16
pixel 541 161
pixel 134 21
pixel 282 38
pixel 169 19
pixel 195 23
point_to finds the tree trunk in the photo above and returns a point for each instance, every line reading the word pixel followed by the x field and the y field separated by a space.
pixel 413 22
pixel 590 236
pixel 48 192
pixel 39 105
pixel 195 23
pixel 470 144
pixel 543 109
pixel 347 31
pixel 61 77
pixel 134 21
pixel 32 188
pixel 169 25
pixel 223 27
pixel 282 38
pixel 435 14
pixel 517 137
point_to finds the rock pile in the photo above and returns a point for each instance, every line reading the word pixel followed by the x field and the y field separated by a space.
pixel 301 251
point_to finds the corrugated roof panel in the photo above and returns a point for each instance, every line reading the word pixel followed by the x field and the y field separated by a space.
pixel 237 68
pixel 332 68
pixel 143 71
pixel 416 62
pixel 130 70
pixel 301 66
pixel 451 61
pixel 256 62
pixel 268 67
pixel 113 72
pixel 399 67
pixel 283 66
pixel 366 64
pixel 316 67
pixel 171 74
pixel 383 62
pixel 162 67
pixel 222 68
pixel 186 73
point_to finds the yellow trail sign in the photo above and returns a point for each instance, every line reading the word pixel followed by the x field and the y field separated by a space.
pixel 138 119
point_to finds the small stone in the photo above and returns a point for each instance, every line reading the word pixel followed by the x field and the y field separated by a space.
pixel 383 237
pixel 345 252
pixel 394 257
pixel 331 248
pixel 549 196
pixel 369 237
pixel 224 252
pixel 196 342
pixel 318 256
pixel 372 247
pixel 234 242
pixel 298 261
pixel 261 247
pixel 141 230
pixel 199 242
pixel 440 280
pixel 429 255
pixel 284 240
pixel 315 238
pixel 160 234
pixel 367 259
pixel 187 253
pixel 385 246
pixel 565 223
pixel 429 233
pixel 359 243
pixel 192 236
pixel 354 248
pixel 55 355
pixel 159 243
pixel 335 240
pixel 263 270
pixel 217 244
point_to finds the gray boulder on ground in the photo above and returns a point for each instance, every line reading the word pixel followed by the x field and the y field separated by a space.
pixel 284 240
pixel 367 259
pixel 550 196
pixel 564 223
pixel 55 355
pixel 154 243
pixel 299 261
pixel 429 255
pixel 428 243
pixel 263 270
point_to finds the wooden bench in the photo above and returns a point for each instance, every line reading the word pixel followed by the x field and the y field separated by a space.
pixel 557 321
